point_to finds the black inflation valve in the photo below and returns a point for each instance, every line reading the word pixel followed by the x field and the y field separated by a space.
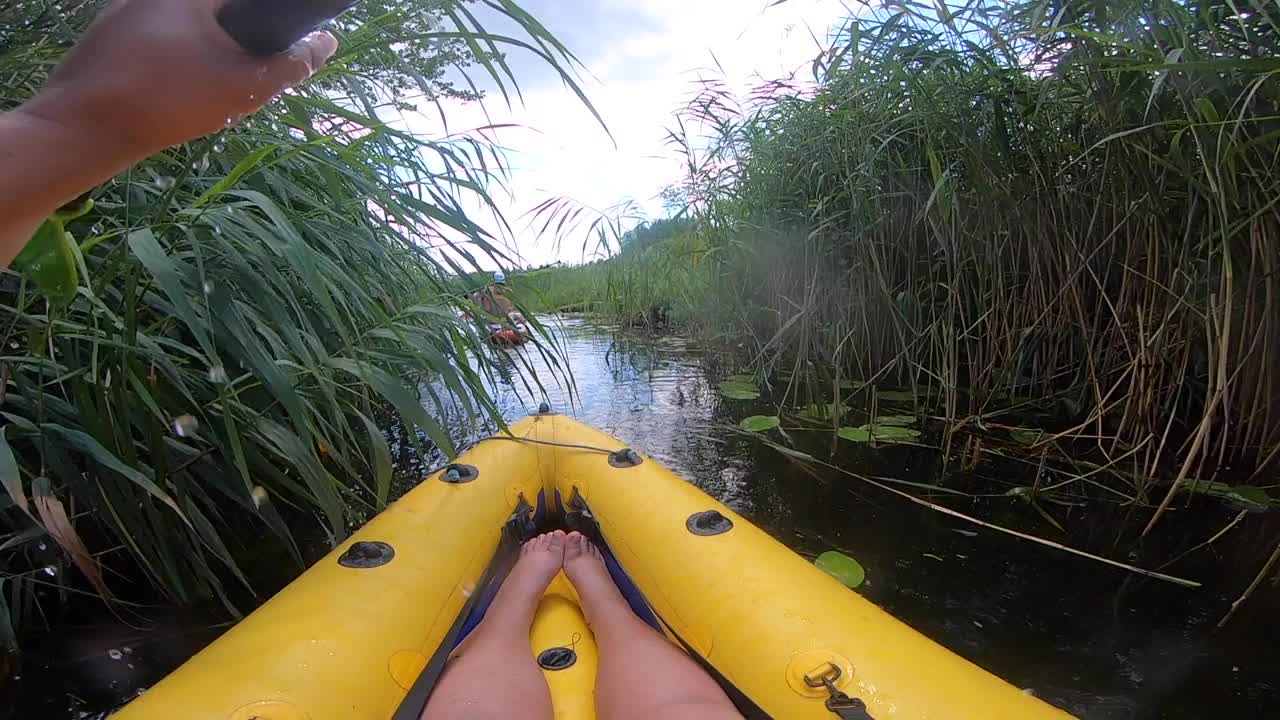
pixel 365 555
pixel 459 474
pixel 709 523
pixel 625 458
pixel 557 658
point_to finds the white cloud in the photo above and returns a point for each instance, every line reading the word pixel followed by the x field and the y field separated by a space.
pixel 641 58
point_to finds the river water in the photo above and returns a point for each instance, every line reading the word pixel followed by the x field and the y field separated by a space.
pixel 1099 642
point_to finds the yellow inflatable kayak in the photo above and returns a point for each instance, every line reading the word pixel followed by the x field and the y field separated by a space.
pixel 364 633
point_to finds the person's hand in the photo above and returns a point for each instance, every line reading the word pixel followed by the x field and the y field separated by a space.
pixel 150 74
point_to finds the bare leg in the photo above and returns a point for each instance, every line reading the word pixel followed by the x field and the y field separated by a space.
pixel 642 675
pixel 493 673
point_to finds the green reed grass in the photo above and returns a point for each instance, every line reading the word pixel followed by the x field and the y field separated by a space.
pixel 1071 204
pixel 1071 200
pixel 254 309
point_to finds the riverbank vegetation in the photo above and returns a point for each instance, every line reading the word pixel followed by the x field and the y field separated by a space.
pixel 245 315
pixel 1056 210
pixel 657 278
pixel 1043 232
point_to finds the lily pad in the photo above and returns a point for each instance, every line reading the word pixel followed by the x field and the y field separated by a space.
pixel 889 433
pixel 896 420
pixel 739 390
pixel 879 433
pixel 748 379
pixel 1248 497
pixel 1027 436
pixel 842 567
pixel 1241 497
pixel 760 423
pixel 856 434
pixel 904 396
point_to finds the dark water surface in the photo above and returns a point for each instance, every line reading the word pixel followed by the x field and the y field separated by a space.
pixel 1097 641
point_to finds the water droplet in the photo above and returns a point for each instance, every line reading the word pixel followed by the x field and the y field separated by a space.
pixel 96 229
pixel 165 183
pixel 229 122
pixel 127 650
pixel 208 287
pixel 115 654
pixel 259 496
pixel 50 570
pixel 217 229
pixel 220 147
pixel 217 375
pixel 252 97
pixel 13 345
pixel 42 545
pixel 185 426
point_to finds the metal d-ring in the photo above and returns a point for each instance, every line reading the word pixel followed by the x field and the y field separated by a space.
pixel 828 680
pixel 843 706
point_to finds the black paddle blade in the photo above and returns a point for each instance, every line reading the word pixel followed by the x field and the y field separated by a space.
pixel 267 27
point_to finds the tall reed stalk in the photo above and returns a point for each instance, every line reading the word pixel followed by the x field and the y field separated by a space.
pixel 253 310
pixel 1070 202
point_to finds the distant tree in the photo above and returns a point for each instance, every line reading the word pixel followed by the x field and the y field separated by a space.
pixel 648 233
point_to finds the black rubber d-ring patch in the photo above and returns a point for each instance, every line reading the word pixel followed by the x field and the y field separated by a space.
pixel 365 555
pixel 709 523
pixel 558 658
pixel 625 458
pixel 459 474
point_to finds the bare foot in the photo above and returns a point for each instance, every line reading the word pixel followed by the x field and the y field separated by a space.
pixel 540 560
pixel 584 564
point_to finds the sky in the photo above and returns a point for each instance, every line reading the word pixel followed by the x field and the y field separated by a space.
pixel 640 60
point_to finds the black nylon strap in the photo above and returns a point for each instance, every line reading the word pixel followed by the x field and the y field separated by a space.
pixel 847 708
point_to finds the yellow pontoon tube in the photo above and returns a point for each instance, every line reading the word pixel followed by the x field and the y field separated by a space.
pixel 364 633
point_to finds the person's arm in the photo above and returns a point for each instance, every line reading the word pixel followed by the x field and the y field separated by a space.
pixel 147 75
